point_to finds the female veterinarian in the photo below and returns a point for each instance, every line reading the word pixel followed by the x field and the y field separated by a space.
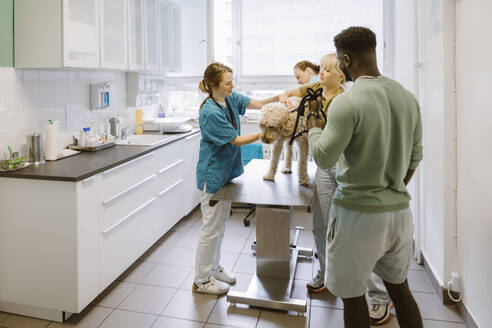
pixel 219 161
pixel 325 185
pixel 306 72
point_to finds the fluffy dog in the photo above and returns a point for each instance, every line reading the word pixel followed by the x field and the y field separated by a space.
pixel 276 125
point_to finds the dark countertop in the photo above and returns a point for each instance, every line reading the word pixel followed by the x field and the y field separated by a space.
pixel 251 188
pixel 86 164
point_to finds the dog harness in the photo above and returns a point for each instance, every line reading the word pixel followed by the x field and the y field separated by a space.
pixel 313 100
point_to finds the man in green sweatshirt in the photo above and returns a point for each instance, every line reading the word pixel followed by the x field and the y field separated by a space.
pixel 374 134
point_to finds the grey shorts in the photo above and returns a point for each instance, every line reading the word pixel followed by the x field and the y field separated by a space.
pixel 360 243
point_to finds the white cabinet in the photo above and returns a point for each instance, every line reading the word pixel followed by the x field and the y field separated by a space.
pixel 75 239
pixel 114 33
pixel 191 150
pixel 170 37
pixel 151 35
pixel 56 33
pixel 136 35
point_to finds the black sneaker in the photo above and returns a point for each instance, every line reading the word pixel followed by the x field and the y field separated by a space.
pixel 379 314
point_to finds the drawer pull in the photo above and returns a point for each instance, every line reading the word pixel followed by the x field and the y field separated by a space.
pixel 170 187
pixel 88 179
pixel 170 166
pixel 110 199
pixel 128 163
pixel 141 207
pixel 193 136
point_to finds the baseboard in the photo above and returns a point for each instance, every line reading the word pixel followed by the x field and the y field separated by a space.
pixel 467 317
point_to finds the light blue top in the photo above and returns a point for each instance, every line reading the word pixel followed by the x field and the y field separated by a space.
pixel 219 160
pixel 314 78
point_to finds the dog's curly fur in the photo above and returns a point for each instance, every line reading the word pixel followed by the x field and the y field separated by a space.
pixel 276 126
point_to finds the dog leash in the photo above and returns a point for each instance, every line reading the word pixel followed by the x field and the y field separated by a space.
pixel 311 96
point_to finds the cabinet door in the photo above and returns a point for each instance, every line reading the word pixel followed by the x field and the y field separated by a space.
pixel 192 149
pixel 136 29
pixel 151 35
pixel 176 50
pixel 165 42
pixel 81 33
pixel 114 34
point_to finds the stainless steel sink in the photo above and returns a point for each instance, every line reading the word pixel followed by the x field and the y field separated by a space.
pixel 145 139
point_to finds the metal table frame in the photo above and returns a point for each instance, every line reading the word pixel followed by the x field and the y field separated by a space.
pixel 276 243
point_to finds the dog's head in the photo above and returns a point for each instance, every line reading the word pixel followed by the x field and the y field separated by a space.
pixel 275 121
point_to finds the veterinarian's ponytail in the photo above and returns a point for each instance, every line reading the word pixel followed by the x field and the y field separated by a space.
pixel 302 65
pixel 212 77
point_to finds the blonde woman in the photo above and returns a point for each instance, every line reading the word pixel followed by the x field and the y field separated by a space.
pixel 331 81
pixel 219 162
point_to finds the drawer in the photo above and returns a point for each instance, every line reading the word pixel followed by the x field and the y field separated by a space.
pixel 170 205
pixel 119 205
pixel 169 154
pixel 127 174
pixel 125 241
pixel 169 174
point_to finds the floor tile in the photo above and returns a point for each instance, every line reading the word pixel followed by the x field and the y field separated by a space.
pixel 156 254
pixel 137 272
pixel 186 223
pixel 127 319
pixel 113 297
pixel 236 316
pixel 233 243
pixel 189 240
pixel 18 321
pixel 170 239
pixel 91 317
pixel 432 308
pixel 415 266
pixel 300 291
pixel 304 269
pixel 326 317
pixel 419 281
pixel 228 260
pixel 326 299
pixel 167 322
pixel 148 299
pixel 191 306
pixel 188 282
pixel 242 282
pixel 280 319
pixel 180 256
pixel 442 324
pixel 246 263
pixel 167 275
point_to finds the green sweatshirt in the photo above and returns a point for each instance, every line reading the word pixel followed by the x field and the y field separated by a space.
pixel 374 131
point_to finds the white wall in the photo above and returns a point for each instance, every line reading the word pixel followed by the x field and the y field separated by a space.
pixel 474 86
pixel 29 98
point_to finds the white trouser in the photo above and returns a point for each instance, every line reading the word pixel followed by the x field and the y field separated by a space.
pixel 211 235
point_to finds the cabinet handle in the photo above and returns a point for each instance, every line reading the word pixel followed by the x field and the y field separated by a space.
pixel 170 166
pixel 193 136
pixel 88 179
pixel 128 163
pixel 170 187
pixel 121 221
pixel 110 199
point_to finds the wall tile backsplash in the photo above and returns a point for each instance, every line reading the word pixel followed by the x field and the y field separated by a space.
pixel 29 98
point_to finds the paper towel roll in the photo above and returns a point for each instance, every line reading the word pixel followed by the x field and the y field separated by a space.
pixel 51 141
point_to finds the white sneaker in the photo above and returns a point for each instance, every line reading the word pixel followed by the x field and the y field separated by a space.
pixel 222 275
pixel 213 286
pixel 317 284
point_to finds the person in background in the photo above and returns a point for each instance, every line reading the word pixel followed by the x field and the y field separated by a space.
pixel 306 72
pixel 219 162
pixel 332 80
pixel 374 134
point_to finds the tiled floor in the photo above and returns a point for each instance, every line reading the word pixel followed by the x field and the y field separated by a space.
pixel 156 290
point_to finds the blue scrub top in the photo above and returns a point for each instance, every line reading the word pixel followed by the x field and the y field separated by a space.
pixel 314 78
pixel 219 161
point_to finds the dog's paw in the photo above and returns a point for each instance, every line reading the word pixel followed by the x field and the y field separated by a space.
pixel 287 171
pixel 304 180
pixel 269 177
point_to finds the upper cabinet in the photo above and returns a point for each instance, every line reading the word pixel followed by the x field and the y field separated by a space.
pixel 152 35
pixel 136 35
pixel 56 33
pixel 113 34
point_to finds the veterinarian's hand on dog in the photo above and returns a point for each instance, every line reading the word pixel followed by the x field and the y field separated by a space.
pixel 286 101
pixel 314 116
